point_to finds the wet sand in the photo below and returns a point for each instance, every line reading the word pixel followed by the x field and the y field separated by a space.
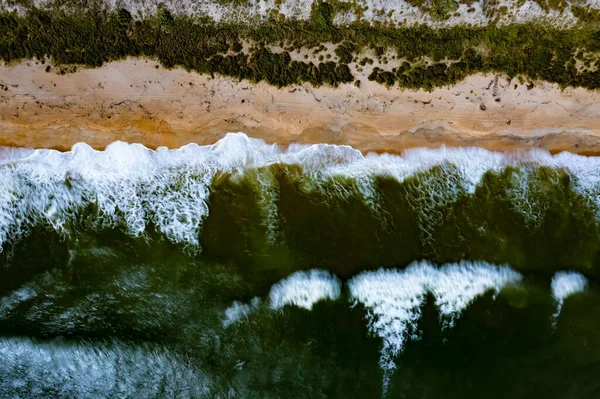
pixel 136 101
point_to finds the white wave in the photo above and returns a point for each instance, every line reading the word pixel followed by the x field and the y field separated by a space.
pixel 131 187
pixel 457 285
pixel 584 170
pixel 393 299
pixel 239 310
pixel 565 284
pixel 31 369
pixel 14 153
pixel 304 289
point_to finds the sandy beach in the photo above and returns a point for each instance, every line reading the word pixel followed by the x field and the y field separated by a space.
pixel 137 100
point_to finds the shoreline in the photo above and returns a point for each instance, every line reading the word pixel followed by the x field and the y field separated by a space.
pixel 137 100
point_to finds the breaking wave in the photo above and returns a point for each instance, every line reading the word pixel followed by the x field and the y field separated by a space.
pixel 304 289
pixel 133 188
pixel 394 298
pixel 565 284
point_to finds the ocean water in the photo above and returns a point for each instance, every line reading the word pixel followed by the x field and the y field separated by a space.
pixel 247 270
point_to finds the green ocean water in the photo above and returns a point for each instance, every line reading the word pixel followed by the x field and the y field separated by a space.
pixel 243 270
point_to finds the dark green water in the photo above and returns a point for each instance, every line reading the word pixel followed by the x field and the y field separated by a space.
pixel 242 270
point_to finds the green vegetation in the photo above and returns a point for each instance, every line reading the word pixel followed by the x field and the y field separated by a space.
pixel 438 9
pixel 432 57
pixel 441 9
pixel 586 14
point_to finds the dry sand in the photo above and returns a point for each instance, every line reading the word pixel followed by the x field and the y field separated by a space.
pixel 135 101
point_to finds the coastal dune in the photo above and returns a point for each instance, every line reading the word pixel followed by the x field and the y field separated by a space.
pixel 137 100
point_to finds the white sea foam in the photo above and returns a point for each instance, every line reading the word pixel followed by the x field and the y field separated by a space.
pixel 131 187
pixel 457 285
pixel 524 199
pixel 565 284
pixel 393 299
pixel 304 289
pixel 32 369
pixel 239 310
pixel 129 184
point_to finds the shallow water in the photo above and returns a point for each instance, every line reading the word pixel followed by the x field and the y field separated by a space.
pixel 247 270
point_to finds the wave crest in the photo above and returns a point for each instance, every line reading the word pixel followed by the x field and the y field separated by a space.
pixel 131 187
